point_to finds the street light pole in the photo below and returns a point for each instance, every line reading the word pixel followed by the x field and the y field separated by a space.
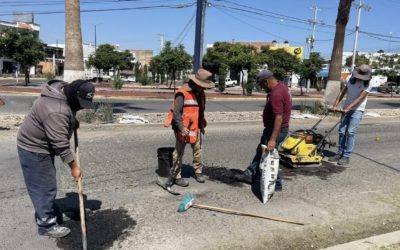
pixel 359 6
pixel 199 34
pixel 95 37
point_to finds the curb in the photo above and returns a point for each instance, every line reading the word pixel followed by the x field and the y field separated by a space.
pixel 373 242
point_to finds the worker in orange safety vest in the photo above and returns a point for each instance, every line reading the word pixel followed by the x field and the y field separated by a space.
pixel 187 119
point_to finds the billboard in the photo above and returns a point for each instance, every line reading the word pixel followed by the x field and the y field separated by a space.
pixel 297 51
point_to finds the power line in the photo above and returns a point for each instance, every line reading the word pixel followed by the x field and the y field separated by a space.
pixel 184 28
pixel 187 32
pixel 253 26
pixel 178 6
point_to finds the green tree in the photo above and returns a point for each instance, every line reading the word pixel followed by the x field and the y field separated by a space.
pixel 24 47
pixel 158 69
pixel 241 58
pixel 175 60
pixel 279 61
pixel 360 59
pixel 335 66
pixel 310 68
pixel 107 58
pixel 216 61
pixel 138 71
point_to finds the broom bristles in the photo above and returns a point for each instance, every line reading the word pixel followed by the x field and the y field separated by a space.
pixel 185 203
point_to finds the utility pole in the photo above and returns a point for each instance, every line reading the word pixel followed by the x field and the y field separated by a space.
pixel 390 41
pixel 95 37
pixel 311 39
pixel 314 23
pixel 161 41
pixel 199 34
pixel 360 6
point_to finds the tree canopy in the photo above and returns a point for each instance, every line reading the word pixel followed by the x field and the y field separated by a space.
pixel 24 47
pixel 172 60
pixel 107 57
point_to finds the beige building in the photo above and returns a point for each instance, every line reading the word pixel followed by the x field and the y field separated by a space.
pixel 142 56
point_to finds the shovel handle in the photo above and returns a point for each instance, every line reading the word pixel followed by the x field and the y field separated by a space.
pixel 230 211
pixel 80 194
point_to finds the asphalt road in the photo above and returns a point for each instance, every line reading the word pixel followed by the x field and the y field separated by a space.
pixel 21 104
pixel 128 211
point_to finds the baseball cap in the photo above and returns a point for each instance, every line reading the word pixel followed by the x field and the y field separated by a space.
pixel 263 75
pixel 85 94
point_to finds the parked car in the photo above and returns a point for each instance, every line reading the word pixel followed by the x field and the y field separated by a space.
pixel 229 82
pixel 388 87
pixel 128 79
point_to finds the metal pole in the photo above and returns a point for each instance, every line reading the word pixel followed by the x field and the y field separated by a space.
pixel 198 36
pixel 315 8
pixel 353 60
pixel 95 37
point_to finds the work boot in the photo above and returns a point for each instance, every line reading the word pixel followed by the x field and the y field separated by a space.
pixel 199 177
pixel 344 161
pixel 56 232
pixel 245 177
pixel 335 158
pixel 181 182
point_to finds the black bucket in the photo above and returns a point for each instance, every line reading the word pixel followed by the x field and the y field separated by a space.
pixel 164 156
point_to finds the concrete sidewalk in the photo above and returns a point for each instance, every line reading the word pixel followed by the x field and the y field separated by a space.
pixel 389 240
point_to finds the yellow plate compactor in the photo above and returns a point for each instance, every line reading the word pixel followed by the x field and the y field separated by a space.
pixel 304 148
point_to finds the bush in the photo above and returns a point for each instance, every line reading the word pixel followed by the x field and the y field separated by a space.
pixel 249 87
pixel 105 112
pixel 117 83
pixel 87 115
pixel 49 76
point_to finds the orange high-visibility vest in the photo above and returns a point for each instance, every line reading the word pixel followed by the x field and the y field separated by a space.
pixel 190 115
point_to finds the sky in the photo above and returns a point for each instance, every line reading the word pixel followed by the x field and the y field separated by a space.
pixel 134 27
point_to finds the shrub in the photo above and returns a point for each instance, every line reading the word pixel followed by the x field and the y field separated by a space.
pixel 249 87
pixel 105 112
pixel 87 115
pixel 117 83
pixel 49 76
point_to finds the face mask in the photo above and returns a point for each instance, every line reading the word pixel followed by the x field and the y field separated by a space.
pixel 71 92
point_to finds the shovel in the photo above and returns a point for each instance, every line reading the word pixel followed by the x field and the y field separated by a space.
pixel 80 193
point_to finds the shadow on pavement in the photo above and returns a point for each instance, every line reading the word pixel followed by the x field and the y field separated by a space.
pixel 104 227
pixel 215 173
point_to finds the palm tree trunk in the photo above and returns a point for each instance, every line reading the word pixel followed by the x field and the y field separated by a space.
pixel 335 67
pixel 73 67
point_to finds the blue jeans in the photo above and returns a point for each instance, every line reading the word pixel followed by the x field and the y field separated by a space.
pixel 253 168
pixel 347 132
pixel 40 179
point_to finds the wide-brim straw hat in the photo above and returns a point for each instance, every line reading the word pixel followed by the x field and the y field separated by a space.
pixel 203 79
pixel 362 72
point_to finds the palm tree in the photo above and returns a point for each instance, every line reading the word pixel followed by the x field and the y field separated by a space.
pixel 335 67
pixel 73 67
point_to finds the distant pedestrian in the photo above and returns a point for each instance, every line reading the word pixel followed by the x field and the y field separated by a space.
pixel 276 118
pixel 357 89
pixel 188 122
pixel 45 133
pixel 2 103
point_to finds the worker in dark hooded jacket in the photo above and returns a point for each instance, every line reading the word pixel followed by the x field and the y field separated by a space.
pixel 45 133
